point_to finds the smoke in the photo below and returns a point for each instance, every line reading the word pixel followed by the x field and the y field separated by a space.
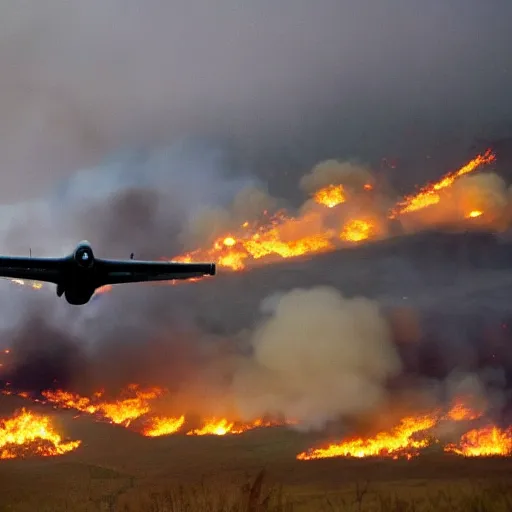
pixel 247 206
pixel 483 198
pixel 81 81
pixel 332 172
pixel 318 356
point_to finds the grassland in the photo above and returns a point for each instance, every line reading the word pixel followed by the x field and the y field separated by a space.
pixel 118 470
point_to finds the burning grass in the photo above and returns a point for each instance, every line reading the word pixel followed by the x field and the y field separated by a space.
pixel 119 470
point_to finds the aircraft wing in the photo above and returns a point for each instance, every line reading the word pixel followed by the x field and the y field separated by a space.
pixel 130 271
pixel 35 269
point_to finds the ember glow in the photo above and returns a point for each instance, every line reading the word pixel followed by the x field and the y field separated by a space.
pixel 473 214
pixel 28 434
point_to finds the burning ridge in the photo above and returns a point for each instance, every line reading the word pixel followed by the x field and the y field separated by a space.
pixel 265 388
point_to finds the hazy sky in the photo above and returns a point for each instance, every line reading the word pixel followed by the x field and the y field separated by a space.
pixel 305 79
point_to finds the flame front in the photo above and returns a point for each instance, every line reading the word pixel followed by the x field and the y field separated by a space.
pixel 221 427
pixel 400 442
pixel 121 412
pixel 483 442
pixel 284 236
pixel 136 404
pixel 27 433
pixel 161 426
pixel 429 195
pixel 413 434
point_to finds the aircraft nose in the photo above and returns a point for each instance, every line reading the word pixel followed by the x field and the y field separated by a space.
pixel 212 269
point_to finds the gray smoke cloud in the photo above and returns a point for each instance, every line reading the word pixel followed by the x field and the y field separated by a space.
pixel 79 81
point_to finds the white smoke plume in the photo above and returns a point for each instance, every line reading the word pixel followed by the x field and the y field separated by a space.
pixel 317 357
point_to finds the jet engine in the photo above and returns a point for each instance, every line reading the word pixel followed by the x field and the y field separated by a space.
pixel 84 256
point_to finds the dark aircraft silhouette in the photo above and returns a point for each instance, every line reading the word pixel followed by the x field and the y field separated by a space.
pixel 78 275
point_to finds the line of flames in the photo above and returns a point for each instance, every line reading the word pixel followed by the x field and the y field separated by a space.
pixel 255 241
pixel 406 440
pixel 413 434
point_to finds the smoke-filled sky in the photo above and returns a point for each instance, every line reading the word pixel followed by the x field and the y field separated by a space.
pixel 292 82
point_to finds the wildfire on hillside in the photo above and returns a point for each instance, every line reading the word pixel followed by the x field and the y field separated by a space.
pixel 335 216
pixel 330 225
pixel 29 434
pixel 134 404
pixel 413 434
pixel 483 442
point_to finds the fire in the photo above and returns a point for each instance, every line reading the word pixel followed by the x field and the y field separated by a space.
pixel 213 427
pixel 400 442
pixel 288 237
pixel 357 230
pixel 483 442
pixel 429 195
pixel 232 252
pixel 461 412
pixel 282 236
pixel 221 427
pixel 135 404
pixel 161 426
pixel 121 412
pixel 474 214
pixel 27 433
pixel 330 196
pixel 407 438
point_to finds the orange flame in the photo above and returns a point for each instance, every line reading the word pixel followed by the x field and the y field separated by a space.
pixel 330 196
pixel 407 439
pixel 221 427
pixel 289 237
pixel 358 230
pixel 483 442
pixel 428 195
pixel 283 236
pixel 400 442
pixel 160 426
pixel 474 214
pixel 137 404
pixel 120 412
pixel 27 433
